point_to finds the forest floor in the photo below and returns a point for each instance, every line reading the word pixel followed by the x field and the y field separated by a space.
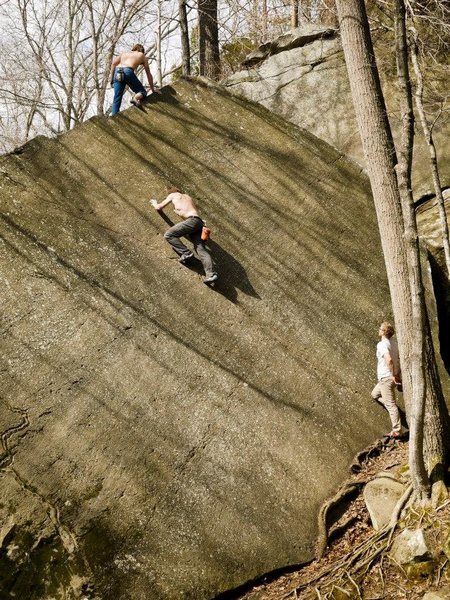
pixel 380 578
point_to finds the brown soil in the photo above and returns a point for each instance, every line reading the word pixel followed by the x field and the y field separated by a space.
pixel 383 579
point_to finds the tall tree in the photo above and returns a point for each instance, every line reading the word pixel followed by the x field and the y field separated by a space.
pixel 264 19
pixel 185 46
pixel 381 159
pixel 431 418
pixel 403 170
pixel 294 14
pixel 208 34
pixel 158 36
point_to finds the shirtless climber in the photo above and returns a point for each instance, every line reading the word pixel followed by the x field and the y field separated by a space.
pixel 122 74
pixel 191 227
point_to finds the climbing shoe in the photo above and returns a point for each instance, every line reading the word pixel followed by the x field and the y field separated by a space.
pixel 185 257
pixel 397 435
pixel 211 278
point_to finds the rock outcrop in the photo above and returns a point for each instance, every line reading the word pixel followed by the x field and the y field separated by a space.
pixel 161 439
pixel 436 279
pixel 296 38
pixel 302 76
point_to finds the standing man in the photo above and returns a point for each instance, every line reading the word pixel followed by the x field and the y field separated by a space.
pixel 389 375
pixel 122 74
pixel 191 227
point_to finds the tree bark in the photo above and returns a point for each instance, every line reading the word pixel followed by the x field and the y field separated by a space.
pixel 264 20
pixel 403 169
pixel 294 14
pixel 185 47
pixel 158 44
pixel 388 181
pixel 434 413
pixel 436 424
pixel 208 39
pixel 379 152
pixel 99 92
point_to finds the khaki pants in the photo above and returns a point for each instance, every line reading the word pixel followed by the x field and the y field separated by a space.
pixel 384 392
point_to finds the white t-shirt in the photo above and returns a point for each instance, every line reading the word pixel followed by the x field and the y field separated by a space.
pixel 387 346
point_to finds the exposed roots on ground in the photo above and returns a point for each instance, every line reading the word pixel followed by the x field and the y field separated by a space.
pixel 346 574
pixel 346 491
pixel 358 562
pixel 368 453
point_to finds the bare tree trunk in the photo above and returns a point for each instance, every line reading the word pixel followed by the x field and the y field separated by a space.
pixel 294 13
pixel 403 169
pixel 380 158
pixel 428 135
pixel 264 19
pixel 99 92
pixel 158 44
pixel 70 64
pixel 436 424
pixel 208 39
pixel 254 20
pixel 185 47
pixel 435 418
pixel 33 110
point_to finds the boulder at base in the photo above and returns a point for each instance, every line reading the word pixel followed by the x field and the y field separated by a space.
pixel 381 496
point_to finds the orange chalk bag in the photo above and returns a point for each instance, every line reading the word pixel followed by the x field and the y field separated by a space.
pixel 206 233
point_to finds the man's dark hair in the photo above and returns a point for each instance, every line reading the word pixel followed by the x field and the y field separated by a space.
pixel 173 190
pixel 137 48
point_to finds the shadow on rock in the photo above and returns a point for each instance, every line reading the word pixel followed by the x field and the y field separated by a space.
pixel 232 275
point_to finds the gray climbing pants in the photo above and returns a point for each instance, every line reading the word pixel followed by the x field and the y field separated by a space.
pixel 191 228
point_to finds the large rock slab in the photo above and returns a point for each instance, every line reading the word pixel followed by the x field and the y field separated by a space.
pixel 161 439
pixel 302 76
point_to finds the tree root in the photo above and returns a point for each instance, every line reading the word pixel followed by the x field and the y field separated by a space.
pixel 356 563
pixel 344 492
pixel 347 490
pixel 338 530
pixel 371 451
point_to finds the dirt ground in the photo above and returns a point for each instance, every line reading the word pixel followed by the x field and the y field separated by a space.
pixel 382 579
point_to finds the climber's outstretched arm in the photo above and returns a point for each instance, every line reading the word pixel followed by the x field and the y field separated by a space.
pixel 161 205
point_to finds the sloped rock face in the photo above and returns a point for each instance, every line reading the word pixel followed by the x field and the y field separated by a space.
pixel 161 439
pixel 302 76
